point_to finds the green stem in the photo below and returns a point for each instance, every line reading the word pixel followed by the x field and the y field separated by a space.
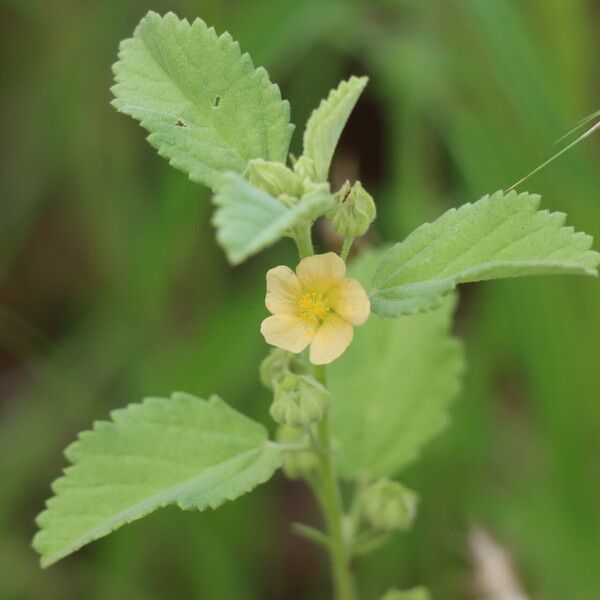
pixel 331 504
pixel 346 248
pixel 326 488
pixel 303 239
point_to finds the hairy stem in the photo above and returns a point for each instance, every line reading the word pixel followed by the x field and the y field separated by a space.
pixel 331 504
pixel 346 248
pixel 303 239
pixel 325 486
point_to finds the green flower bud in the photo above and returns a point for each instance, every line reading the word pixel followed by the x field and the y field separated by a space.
pixel 315 399
pixel 287 200
pixel 296 463
pixel 418 593
pixel 354 211
pixel 285 408
pixel 300 400
pixel 388 505
pixel 275 179
pixel 305 169
pixel 277 364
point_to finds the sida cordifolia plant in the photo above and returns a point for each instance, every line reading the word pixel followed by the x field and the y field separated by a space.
pixel 355 395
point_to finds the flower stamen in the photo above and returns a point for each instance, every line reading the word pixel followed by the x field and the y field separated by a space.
pixel 313 306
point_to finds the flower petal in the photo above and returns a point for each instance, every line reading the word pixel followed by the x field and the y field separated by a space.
pixel 283 291
pixel 288 332
pixel 350 301
pixel 320 272
pixel 332 338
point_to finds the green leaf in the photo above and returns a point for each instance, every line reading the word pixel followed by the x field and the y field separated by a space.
pixel 496 237
pixel 248 219
pixel 393 386
pixel 208 110
pixel 185 451
pixel 326 123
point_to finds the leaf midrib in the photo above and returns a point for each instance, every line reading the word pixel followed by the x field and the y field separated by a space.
pixel 481 269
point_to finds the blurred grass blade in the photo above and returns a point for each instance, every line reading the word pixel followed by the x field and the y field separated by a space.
pixel 582 137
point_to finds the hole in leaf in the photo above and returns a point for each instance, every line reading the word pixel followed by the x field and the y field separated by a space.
pixel 217 101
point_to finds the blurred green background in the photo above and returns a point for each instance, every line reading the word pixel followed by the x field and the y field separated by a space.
pixel 113 288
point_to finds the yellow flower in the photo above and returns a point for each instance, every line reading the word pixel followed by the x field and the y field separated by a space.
pixel 316 305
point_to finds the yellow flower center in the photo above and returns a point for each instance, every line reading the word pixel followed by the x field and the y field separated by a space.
pixel 313 306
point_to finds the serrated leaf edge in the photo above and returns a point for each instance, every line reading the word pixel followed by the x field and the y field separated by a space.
pixel 102 530
pixel 225 37
pixel 326 108
pixel 446 285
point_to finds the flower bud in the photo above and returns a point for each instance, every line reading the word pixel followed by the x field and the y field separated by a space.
pixel 354 211
pixel 296 463
pixel 388 505
pixel 300 400
pixel 275 179
pixel 305 169
pixel 277 363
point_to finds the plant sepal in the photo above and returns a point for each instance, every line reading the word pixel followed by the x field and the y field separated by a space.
pixel 354 210
pixel 300 401
pixel 388 505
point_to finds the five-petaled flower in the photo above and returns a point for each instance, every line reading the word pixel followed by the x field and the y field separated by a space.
pixel 316 305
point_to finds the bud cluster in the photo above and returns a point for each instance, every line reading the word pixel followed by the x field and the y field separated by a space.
pixel 300 400
pixel 277 364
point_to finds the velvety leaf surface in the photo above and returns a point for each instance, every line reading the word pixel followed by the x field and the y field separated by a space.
pixel 503 235
pixel 248 219
pixel 208 110
pixel 185 451
pixel 393 386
